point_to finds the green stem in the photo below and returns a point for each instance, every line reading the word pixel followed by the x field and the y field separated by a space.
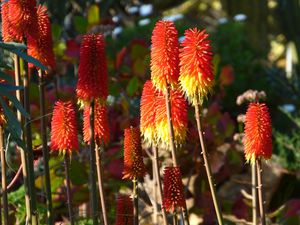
pixel 3 176
pixel 30 158
pixel 100 183
pixel 254 194
pixel 135 202
pixel 93 189
pixel 45 148
pixel 207 165
pixel 22 151
pixel 260 192
pixel 68 185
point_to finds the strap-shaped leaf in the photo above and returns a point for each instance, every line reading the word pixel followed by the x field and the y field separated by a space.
pixel 12 45
pixel 15 101
pixel 9 87
pixel 6 77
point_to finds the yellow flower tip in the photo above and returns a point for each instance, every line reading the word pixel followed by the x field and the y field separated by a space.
pixel 148 136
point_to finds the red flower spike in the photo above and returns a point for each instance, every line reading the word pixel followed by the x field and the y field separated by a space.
pixel 133 160
pixel 124 210
pixel 64 127
pixel 23 18
pixel 173 189
pixel 258 132
pixel 101 125
pixel 7 35
pixel 147 122
pixel 196 69
pixel 179 118
pixel 164 55
pixel 92 71
pixel 42 48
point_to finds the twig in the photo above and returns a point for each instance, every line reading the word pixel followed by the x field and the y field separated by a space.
pixel 260 192
pixel 236 220
pixel 45 148
pixel 254 194
pixel 135 202
pixel 14 180
pixel 207 165
pixel 68 185
pixel 154 189
pixel 100 183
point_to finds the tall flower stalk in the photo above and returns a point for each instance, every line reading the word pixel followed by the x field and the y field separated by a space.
pixel 196 80
pixel 258 144
pixel 3 176
pixel 64 139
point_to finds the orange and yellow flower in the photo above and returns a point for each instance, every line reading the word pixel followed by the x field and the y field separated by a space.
pixel 258 132
pixel 101 125
pixel 147 122
pixel 164 55
pixel 64 127
pixel 92 71
pixel 173 189
pixel 196 69
pixel 42 48
pixel 133 160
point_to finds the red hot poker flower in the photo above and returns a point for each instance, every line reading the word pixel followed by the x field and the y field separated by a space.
pixel 178 114
pixel 23 18
pixel 258 132
pixel 173 189
pixel 147 122
pixel 64 127
pixel 164 55
pixel 101 125
pixel 42 48
pixel 124 210
pixel 133 160
pixel 92 71
pixel 196 69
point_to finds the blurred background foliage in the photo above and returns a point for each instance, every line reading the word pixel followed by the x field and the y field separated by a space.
pixel 256 46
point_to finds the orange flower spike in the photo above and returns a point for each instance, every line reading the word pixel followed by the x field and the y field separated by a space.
pixel 164 55
pixel 42 48
pixel 64 127
pixel 23 18
pixel 101 124
pixel 133 159
pixel 147 123
pixel 258 132
pixel 179 109
pixel 173 189
pixel 124 210
pixel 92 71
pixel 7 35
pixel 196 69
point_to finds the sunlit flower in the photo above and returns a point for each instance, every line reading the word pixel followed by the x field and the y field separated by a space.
pixel 92 71
pixel 258 132
pixel 124 210
pixel 196 69
pixel 2 117
pixel 42 47
pixel 133 160
pixel 147 122
pixel 64 127
pixel 23 18
pixel 164 55
pixel 173 189
pixel 178 114
pixel 101 125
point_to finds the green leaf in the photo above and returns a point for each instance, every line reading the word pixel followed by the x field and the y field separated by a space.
pixel 80 24
pixel 15 101
pixel 78 173
pixel 12 45
pixel 9 87
pixel 6 77
pixel 93 14
pixel 132 86
pixel 56 31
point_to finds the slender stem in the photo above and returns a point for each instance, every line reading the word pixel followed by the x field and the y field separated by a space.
pixel 254 194
pixel 93 186
pixel 45 148
pixel 175 222
pixel 100 183
pixel 22 152
pixel 3 177
pixel 154 187
pixel 68 185
pixel 260 192
pixel 207 166
pixel 170 125
pixel 135 202
pixel 30 159
pixel 158 180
